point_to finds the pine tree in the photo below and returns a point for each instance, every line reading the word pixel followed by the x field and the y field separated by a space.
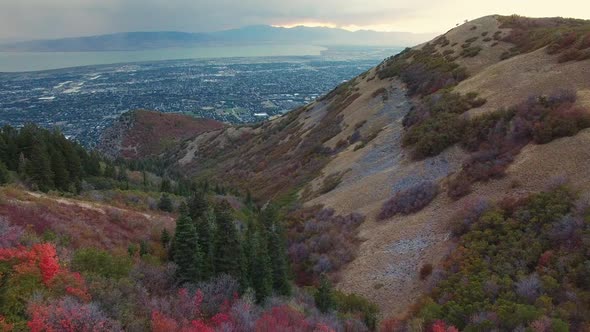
pixel 4 175
pixel 187 255
pixel 92 164
pixel 60 173
pixel 38 169
pixel 205 231
pixel 110 171
pixel 165 203
pixel 227 249
pixel 260 267
pixel 324 299
pixel 198 205
pixel 277 250
pixel 166 186
pixel 165 238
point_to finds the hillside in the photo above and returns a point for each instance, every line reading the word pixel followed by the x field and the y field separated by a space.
pixel 129 136
pixel 492 109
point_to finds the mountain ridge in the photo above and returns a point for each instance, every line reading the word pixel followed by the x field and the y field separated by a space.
pixel 129 41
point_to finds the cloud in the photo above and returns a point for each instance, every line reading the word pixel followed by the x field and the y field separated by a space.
pixel 57 18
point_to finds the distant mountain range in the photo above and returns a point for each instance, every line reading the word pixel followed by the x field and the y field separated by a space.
pixel 257 34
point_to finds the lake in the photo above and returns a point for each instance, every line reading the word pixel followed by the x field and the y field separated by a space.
pixel 35 61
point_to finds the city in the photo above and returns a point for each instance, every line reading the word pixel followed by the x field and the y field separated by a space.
pixel 83 101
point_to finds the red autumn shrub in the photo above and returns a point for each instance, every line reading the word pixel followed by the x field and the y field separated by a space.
pixel 5 326
pixel 282 318
pixel 410 200
pixel 68 314
pixel 161 323
pixel 42 260
pixel 441 326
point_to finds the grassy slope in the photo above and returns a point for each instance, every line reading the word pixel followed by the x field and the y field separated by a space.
pixel 271 159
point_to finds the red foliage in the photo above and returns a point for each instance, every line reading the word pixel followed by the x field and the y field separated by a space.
pixel 161 323
pixel 545 258
pixel 283 318
pixel 41 259
pixel 390 325
pixel 69 315
pixel 4 326
pixel 48 262
pixel 198 326
pixel 441 326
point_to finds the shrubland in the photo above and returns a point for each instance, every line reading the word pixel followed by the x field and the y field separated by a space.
pixel 520 264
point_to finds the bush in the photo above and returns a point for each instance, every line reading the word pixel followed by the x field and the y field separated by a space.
pixel 471 51
pixel 321 242
pixel 433 135
pixel 410 200
pixel 424 71
pixel 425 271
pixel 101 263
pixel 434 125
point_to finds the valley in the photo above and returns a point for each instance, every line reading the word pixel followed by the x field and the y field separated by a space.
pixel 445 188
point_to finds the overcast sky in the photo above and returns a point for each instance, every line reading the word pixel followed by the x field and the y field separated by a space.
pixel 27 19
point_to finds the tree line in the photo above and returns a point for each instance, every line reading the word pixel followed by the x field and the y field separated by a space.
pixel 207 242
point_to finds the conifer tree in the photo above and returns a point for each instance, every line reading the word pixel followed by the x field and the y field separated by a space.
pixel 227 249
pixel 165 203
pixel 187 255
pixel 260 267
pixel 61 177
pixel 276 245
pixel 38 169
pixel 324 298
pixel 165 238
pixel 198 205
pixel 4 175
pixel 166 186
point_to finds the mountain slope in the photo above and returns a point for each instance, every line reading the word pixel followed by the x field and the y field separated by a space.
pixel 143 134
pixel 243 36
pixel 430 116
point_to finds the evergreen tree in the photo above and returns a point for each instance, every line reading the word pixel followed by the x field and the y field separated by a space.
pixel 143 248
pixel 260 271
pixel 92 164
pixel 205 230
pixel 61 177
pixel 166 186
pixel 110 171
pixel 165 203
pixel 38 169
pixel 277 250
pixel 4 175
pixel 324 297
pixel 187 255
pixel 165 238
pixel 198 205
pixel 227 249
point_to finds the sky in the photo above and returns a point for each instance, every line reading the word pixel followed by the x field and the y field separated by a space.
pixel 36 19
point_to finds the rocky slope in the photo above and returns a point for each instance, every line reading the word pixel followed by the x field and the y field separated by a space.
pixel 349 150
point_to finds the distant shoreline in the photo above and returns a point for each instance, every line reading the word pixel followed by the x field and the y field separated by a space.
pixel 20 62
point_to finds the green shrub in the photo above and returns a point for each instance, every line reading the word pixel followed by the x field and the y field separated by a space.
pixel 434 135
pixel 471 52
pixel 99 262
